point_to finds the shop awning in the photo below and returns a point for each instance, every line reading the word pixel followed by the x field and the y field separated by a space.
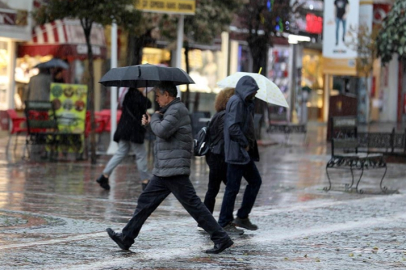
pixel 64 39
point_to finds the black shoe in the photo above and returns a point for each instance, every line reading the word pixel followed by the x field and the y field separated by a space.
pixel 231 229
pixel 103 182
pixel 245 223
pixel 220 247
pixel 118 238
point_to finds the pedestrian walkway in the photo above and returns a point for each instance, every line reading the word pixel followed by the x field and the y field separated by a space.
pixel 54 215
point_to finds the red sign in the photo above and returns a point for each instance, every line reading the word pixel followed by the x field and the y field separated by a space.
pixel 380 11
pixel 314 24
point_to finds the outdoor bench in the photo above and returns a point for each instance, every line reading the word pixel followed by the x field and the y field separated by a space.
pixel 345 154
pixel 287 129
pixel 43 130
pixel 390 144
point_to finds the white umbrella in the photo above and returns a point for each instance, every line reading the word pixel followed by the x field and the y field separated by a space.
pixel 268 91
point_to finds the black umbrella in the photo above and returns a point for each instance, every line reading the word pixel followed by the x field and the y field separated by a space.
pixel 53 63
pixel 144 75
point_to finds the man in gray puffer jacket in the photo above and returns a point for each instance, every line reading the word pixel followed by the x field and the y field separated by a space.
pixel 173 153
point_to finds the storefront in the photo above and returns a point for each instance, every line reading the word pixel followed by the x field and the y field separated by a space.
pixel 62 39
pixel 279 72
pixel 312 85
pixel 344 67
pixel 388 101
pixel 14 26
pixel 205 68
pixel 306 94
pixel 339 59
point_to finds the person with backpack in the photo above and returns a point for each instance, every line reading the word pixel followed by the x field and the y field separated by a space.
pixel 215 156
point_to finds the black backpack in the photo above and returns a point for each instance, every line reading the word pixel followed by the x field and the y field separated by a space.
pixel 202 142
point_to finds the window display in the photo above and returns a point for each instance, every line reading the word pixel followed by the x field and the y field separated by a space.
pixel 278 72
pixel 4 78
pixel 312 81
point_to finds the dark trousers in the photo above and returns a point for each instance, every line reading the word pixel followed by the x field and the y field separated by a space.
pixel 156 191
pixel 344 22
pixel 217 174
pixel 234 175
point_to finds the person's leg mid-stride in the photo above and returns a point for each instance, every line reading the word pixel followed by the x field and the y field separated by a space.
pixel 156 191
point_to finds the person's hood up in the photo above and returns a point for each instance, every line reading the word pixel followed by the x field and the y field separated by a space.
pixel 246 86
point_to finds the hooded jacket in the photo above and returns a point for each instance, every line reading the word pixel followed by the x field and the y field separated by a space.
pixel 239 124
pixel 174 142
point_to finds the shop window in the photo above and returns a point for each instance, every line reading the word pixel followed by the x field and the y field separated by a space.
pixel 278 72
pixel 155 56
pixel 4 78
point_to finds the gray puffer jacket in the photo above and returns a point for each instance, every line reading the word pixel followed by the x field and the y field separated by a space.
pixel 174 142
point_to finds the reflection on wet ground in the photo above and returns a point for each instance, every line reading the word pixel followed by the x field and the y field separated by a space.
pixel 57 210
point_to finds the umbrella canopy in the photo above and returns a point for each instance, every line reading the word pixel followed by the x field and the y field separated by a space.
pixel 53 63
pixel 268 91
pixel 144 75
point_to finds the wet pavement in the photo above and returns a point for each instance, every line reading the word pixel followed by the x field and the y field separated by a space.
pixel 54 215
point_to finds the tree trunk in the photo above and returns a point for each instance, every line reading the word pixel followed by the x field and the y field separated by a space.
pixel 402 83
pixel 259 46
pixel 196 102
pixel 135 51
pixel 87 28
pixel 130 49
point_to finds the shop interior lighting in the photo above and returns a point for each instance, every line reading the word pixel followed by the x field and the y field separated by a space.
pixel 294 39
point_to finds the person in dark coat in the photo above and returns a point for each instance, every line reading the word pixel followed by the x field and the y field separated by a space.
pixel 215 157
pixel 39 86
pixel 173 152
pixel 129 135
pixel 241 150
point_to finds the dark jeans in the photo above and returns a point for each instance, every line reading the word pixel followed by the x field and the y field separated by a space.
pixel 218 174
pixel 156 191
pixel 234 175
pixel 344 22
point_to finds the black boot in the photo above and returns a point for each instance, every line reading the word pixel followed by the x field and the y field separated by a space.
pixel 103 182
pixel 245 223
pixel 219 247
pixel 119 239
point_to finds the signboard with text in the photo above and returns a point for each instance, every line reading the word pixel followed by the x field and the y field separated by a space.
pixel 186 7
